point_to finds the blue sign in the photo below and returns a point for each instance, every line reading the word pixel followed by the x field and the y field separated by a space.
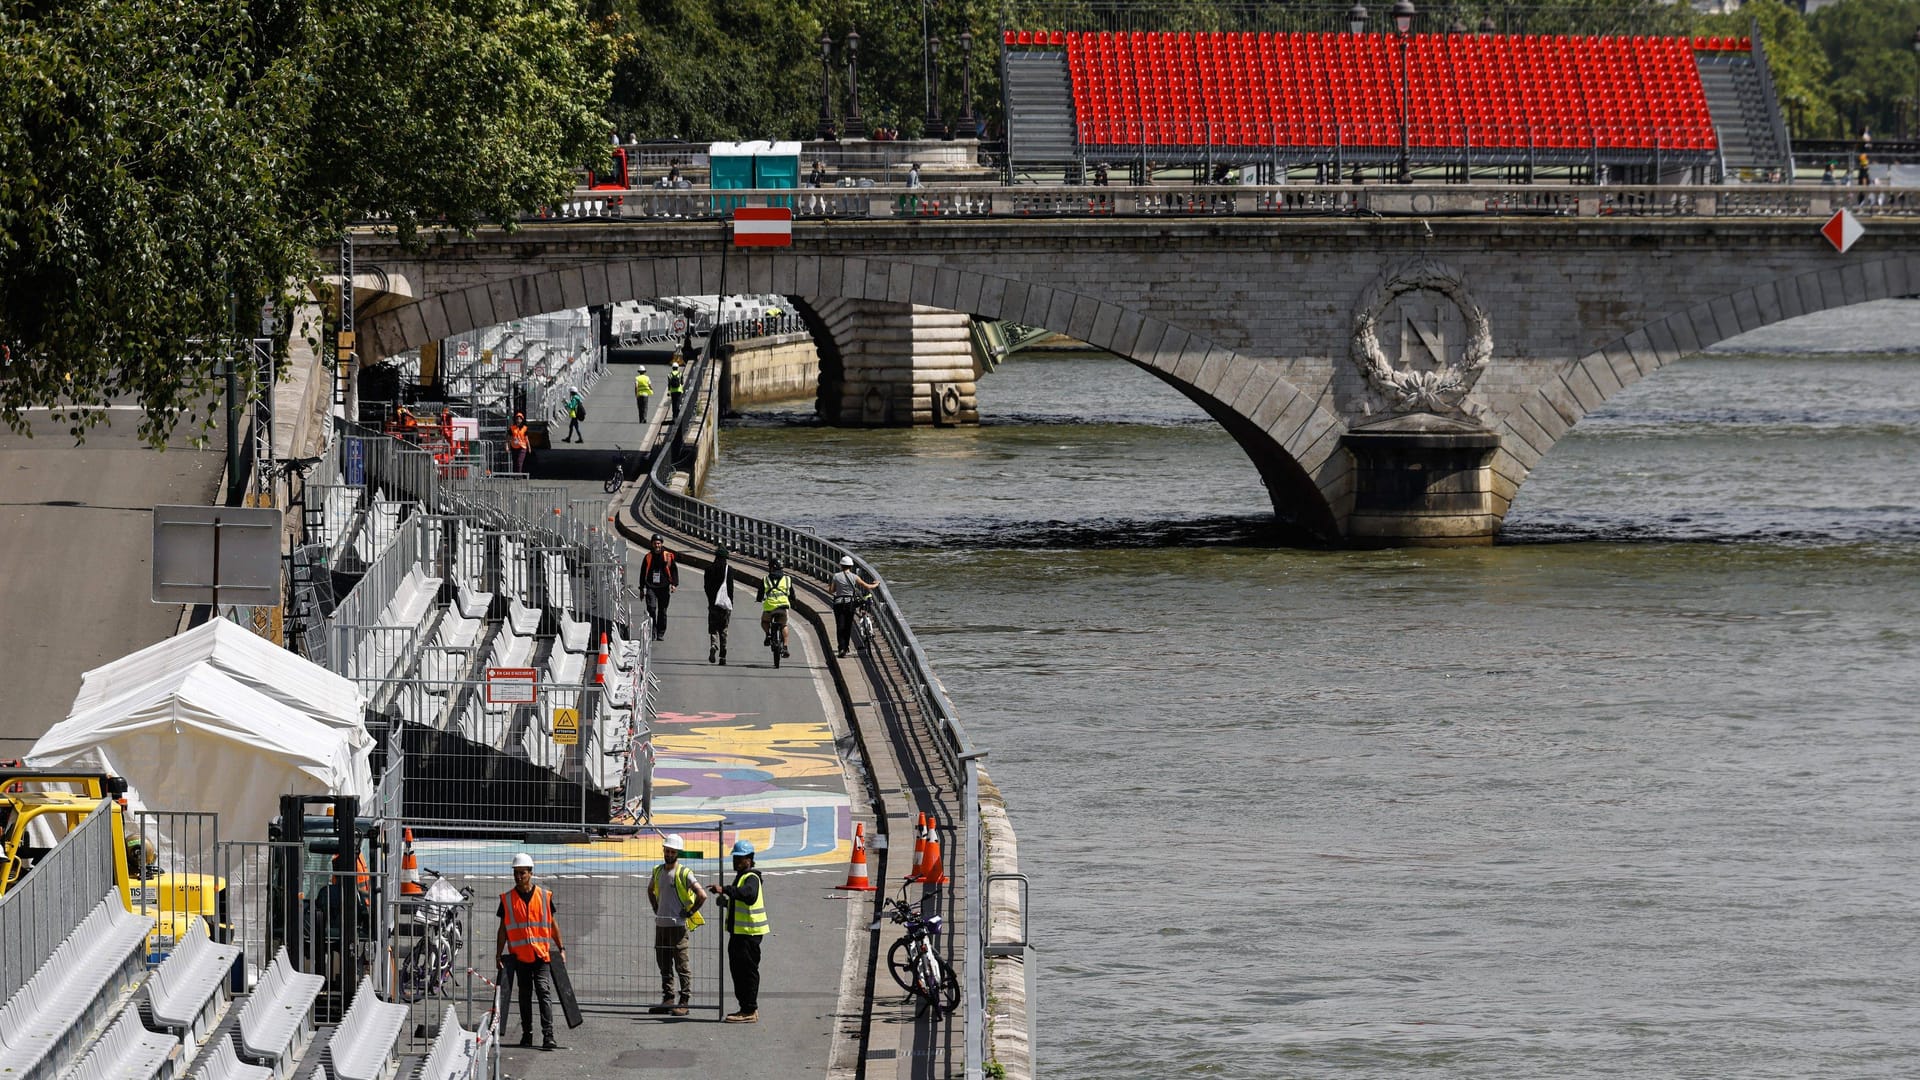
pixel 356 463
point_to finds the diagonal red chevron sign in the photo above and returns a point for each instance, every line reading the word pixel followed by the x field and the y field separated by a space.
pixel 763 226
pixel 1841 230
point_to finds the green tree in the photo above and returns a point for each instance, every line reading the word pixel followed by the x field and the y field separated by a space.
pixel 1870 44
pixel 165 167
pixel 1802 76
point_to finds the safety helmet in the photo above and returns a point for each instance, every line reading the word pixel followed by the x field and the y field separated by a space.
pixel 643 369
pixel 672 842
pixel 742 849
pixel 773 567
pixel 846 561
pixel 523 859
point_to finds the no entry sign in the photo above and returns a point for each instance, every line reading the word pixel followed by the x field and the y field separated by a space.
pixel 763 226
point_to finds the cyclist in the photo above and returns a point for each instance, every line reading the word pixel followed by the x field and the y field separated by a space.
pixel 849 589
pixel 775 596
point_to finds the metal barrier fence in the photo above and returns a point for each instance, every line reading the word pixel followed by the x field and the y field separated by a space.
pixel 42 908
pixel 173 871
pixel 808 554
pixel 1297 200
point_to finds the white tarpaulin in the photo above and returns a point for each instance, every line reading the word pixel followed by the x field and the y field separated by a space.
pixel 198 739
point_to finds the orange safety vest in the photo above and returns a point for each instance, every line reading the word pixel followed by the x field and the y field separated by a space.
pixel 517 437
pixel 530 930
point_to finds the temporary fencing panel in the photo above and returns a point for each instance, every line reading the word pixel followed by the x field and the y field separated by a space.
pixel 42 908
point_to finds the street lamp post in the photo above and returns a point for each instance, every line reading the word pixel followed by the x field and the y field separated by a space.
pixel 856 124
pixel 825 130
pixel 1403 15
pixel 966 121
pixel 1357 18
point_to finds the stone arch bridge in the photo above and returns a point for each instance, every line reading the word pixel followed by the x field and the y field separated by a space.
pixel 1394 380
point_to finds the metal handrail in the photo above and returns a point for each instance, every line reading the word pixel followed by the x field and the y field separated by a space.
pixel 818 558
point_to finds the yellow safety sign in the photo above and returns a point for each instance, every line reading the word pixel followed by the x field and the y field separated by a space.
pixel 566 727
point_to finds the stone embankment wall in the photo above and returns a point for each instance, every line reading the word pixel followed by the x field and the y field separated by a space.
pixel 785 367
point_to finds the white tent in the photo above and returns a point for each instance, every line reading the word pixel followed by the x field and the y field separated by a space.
pixel 196 738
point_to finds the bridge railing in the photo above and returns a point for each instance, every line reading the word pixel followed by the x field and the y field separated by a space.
pixel 818 558
pixel 1284 200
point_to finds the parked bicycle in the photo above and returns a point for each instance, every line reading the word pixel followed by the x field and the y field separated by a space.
pixel 428 968
pixel 619 476
pixel 914 961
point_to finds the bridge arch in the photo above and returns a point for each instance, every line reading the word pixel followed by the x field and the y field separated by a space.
pixel 1582 385
pixel 1292 439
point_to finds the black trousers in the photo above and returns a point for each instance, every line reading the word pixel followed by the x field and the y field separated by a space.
pixel 534 977
pixel 657 602
pixel 843 625
pixel 743 963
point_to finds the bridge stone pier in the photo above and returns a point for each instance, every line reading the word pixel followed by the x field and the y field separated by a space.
pixel 1394 380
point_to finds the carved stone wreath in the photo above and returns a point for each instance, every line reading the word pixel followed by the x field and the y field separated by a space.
pixel 1405 390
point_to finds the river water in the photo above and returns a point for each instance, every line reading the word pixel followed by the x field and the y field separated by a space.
pixel 1634 793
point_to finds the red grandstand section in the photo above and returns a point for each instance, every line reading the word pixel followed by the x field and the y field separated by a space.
pixel 1321 90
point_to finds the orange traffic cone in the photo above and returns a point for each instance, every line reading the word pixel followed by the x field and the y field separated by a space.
pixel 410 871
pixel 857 870
pixel 600 672
pixel 919 849
pixel 932 871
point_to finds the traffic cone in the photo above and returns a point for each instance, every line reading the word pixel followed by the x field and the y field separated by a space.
pixel 932 871
pixel 410 871
pixel 857 870
pixel 600 672
pixel 919 849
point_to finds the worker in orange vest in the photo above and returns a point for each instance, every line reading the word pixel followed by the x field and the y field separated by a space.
pixel 518 443
pixel 531 938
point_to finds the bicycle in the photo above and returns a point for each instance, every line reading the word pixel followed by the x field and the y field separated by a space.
pixel 915 964
pixel 428 968
pixel 774 636
pixel 863 620
pixel 619 477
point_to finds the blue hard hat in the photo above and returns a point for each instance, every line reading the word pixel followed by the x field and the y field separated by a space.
pixel 742 848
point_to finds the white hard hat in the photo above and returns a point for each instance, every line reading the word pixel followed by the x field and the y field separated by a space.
pixel 846 561
pixel 673 842
pixel 523 859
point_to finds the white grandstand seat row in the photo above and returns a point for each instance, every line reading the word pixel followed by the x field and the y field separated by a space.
pixel 362 1047
pixel 187 992
pixel 129 1051
pixel 276 1023
pixel 452 1056
pixel 221 1063
pixel 43 1025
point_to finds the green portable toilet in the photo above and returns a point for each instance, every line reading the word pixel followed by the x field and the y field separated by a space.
pixel 776 165
pixel 730 165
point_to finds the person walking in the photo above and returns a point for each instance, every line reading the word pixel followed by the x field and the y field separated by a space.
pixel 576 411
pixel 746 904
pixel 775 596
pixel 676 914
pixel 660 576
pixel 529 937
pixel 519 442
pixel 719 606
pixel 676 386
pixel 848 590
pixel 642 393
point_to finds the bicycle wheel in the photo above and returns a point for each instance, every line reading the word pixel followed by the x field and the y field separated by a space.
pixel 900 963
pixel 926 980
pixel 949 991
pixel 416 974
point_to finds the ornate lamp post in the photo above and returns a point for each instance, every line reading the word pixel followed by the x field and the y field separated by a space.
pixel 936 127
pixel 1357 18
pixel 1403 15
pixel 1487 25
pixel 825 130
pixel 966 121
pixel 856 124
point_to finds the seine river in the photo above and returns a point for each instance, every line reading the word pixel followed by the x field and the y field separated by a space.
pixel 1635 793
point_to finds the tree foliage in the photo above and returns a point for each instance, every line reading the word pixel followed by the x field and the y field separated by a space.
pixel 166 167
pixel 1870 45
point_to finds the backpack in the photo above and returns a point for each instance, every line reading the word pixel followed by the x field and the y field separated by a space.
pixel 579 409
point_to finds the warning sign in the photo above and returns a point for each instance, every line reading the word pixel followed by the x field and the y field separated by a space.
pixel 566 727
pixel 511 685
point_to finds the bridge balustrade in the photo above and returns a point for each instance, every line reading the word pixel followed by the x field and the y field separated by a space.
pixel 1303 200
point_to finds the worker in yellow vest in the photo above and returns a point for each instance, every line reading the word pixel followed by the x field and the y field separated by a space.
pixel 530 937
pixel 642 393
pixel 676 914
pixel 746 904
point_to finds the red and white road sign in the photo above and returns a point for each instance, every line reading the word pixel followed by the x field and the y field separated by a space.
pixel 512 685
pixel 763 226
pixel 1842 229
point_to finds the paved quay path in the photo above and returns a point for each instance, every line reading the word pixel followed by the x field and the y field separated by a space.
pixel 612 421
pixel 755 746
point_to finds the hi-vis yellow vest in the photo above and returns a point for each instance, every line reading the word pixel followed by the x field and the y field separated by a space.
pixel 682 884
pixel 779 594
